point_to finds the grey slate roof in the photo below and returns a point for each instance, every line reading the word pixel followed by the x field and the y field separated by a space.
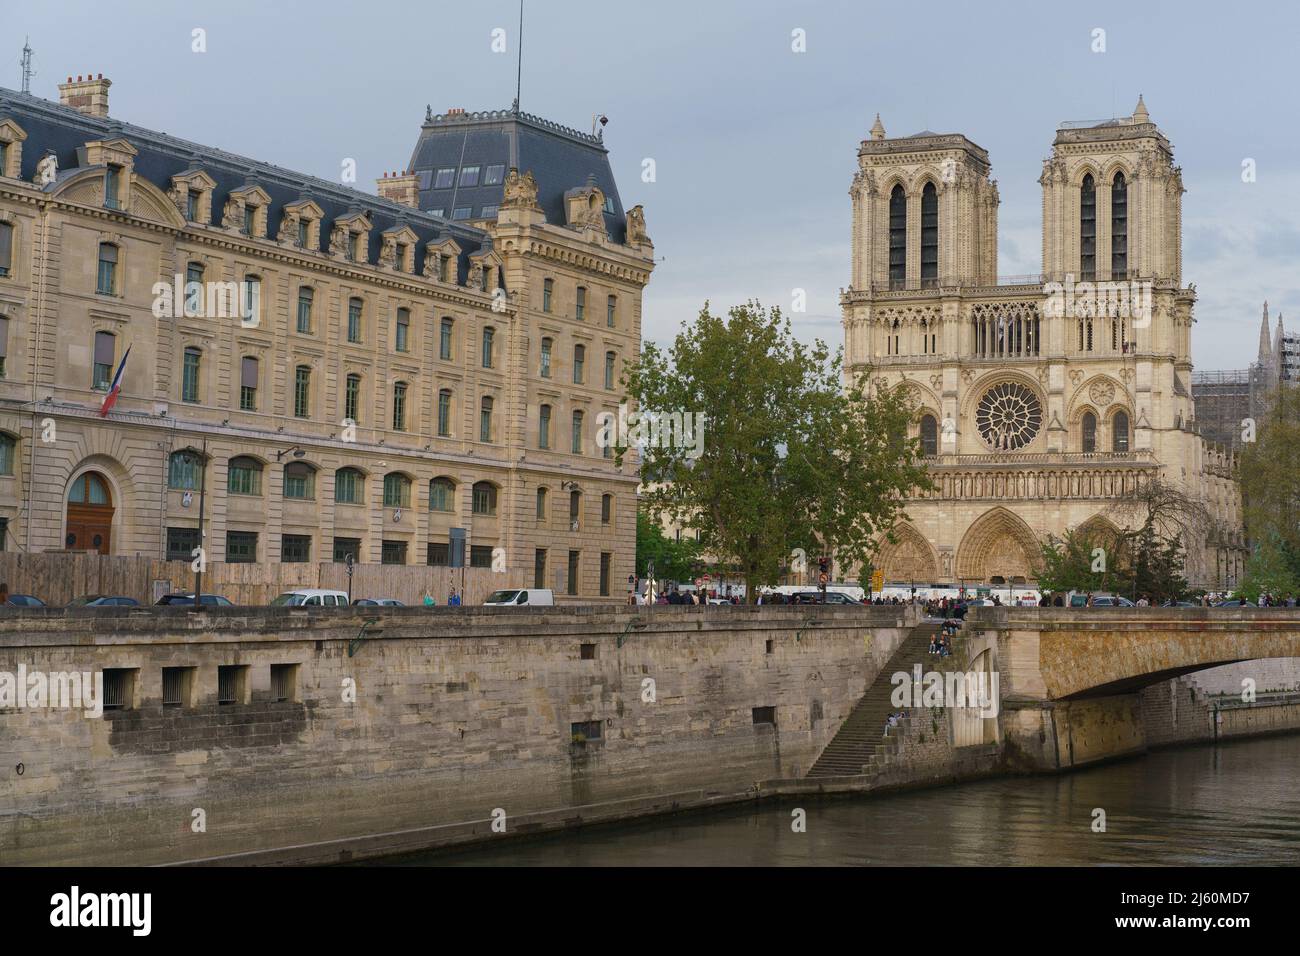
pixel 559 158
pixel 53 127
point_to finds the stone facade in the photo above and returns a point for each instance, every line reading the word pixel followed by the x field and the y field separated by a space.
pixel 379 382
pixel 1040 399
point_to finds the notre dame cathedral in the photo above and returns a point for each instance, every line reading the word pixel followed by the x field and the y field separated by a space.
pixel 1041 400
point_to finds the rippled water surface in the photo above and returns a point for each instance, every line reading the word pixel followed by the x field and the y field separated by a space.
pixel 1235 803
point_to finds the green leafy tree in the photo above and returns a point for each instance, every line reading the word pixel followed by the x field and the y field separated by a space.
pixel 673 560
pixel 1270 492
pixel 1068 563
pixel 791 456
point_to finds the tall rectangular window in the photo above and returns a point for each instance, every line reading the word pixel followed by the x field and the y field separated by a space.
pixel 611 311
pixel 1088 229
pixel 352 397
pixel 302 392
pixel 403 330
pixel 539 568
pixel 580 304
pixel 399 406
pixel 546 358
pixel 190 376
pixel 573 572
pixel 897 238
pixel 192 204
pixel 106 277
pixel 609 370
pixel 1119 227
pixel 304 233
pixel 444 340
pixel 250 219
pixel 105 346
pixel 579 360
pixel 305 297
pixel 606 563
pixel 488 335
pixel 444 413
pixel 354 320
pixel 544 427
pixel 548 293
pixel 929 236
pixel 6 248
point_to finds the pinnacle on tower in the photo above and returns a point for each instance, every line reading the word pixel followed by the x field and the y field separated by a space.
pixel 877 129
pixel 1140 114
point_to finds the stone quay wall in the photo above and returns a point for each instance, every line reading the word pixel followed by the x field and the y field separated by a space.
pixel 277 744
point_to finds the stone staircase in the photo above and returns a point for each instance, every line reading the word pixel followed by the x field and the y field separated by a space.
pixel 862 735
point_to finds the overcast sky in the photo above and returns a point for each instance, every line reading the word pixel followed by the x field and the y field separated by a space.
pixel 754 144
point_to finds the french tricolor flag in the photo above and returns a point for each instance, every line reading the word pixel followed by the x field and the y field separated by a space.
pixel 116 388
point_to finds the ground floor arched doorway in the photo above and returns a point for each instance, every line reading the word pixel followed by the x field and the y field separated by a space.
pixel 90 514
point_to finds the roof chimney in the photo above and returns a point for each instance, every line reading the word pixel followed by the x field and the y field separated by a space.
pixel 89 96
pixel 400 187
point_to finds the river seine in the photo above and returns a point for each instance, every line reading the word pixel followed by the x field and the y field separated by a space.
pixel 1233 804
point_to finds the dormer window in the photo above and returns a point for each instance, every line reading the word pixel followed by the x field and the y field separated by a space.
pixel 399 257
pixel 245 211
pixel 250 220
pixel 469 176
pixel 300 225
pixel 356 251
pixel 193 198
pixel 112 187
pixel 11 149
pixel 304 233
pixel 191 191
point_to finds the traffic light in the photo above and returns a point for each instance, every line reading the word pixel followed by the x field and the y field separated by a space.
pixel 823 564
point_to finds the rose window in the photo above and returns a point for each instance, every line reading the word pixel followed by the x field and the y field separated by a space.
pixel 1008 416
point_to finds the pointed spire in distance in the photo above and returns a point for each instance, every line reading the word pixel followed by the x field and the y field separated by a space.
pixel 877 129
pixel 1140 114
pixel 1265 348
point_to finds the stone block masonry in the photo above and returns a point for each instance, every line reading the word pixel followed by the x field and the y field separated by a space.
pixel 270 742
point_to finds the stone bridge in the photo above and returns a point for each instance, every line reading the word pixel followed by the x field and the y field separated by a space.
pixel 1070 678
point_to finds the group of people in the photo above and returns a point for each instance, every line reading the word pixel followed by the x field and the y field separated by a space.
pixel 893 720
pixel 941 640
pixel 453 599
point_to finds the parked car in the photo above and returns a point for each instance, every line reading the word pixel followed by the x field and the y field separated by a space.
pixel 815 597
pixel 208 600
pixel 1101 599
pixel 377 602
pixel 537 597
pixel 103 600
pixel 1180 604
pixel 1236 602
pixel 25 600
pixel 311 597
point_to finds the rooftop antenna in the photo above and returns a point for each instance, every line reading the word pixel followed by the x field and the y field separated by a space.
pixel 28 72
pixel 519 70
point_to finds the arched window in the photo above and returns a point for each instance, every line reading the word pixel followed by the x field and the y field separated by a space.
pixel 606 509
pixel 544 427
pixel 300 481
pixel 1119 227
pixel 929 236
pixel 7 448
pixel 897 237
pixel 244 476
pixel 1119 432
pixel 399 406
pixel 1088 229
pixel 397 490
pixel 541 504
pixel 1089 432
pixel 442 494
pixel 90 489
pixel 106 277
pixel 579 360
pixel 577 433
pixel 929 435
pixel 184 470
pixel 485 498
pixel 485 419
pixel 349 486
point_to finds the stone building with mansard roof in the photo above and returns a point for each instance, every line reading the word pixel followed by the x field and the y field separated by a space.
pixel 1040 399
pixel 430 360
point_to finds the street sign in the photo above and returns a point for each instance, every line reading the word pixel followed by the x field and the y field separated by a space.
pixel 707 579
pixel 877 580
pixel 699 582
pixel 823 578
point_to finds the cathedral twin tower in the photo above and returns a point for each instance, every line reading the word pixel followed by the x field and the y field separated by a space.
pixel 1042 401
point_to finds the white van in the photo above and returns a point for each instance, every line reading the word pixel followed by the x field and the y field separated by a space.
pixel 311 597
pixel 513 597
